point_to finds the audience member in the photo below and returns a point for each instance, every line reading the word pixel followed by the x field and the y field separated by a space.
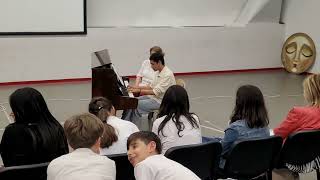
pixel 84 134
pixel 146 74
pixel 176 126
pixel 116 131
pixel 153 93
pixel 248 120
pixel 303 118
pixel 35 136
pixel 144 153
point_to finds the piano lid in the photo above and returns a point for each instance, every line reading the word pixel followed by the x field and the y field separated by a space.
pixel 100 58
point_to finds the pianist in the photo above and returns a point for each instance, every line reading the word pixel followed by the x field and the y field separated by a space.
pixel 151 95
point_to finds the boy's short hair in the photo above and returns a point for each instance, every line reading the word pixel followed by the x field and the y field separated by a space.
pixel 146 137
pixel 83 130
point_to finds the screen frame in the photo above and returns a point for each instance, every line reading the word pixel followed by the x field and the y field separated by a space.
pixel 84 32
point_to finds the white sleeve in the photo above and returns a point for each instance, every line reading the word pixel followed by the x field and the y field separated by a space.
pixel 143 172
pixel 135 128
pixel 50 173
pixel 142 68
pixel 162 86
pixel 155 126
pixel 114 171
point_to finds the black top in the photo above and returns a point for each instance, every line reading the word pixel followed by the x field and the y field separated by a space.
pixel 21 144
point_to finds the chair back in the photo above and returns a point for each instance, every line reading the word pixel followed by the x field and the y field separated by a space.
pixel 301 151
pixel 251 158
pixel 202 159
pixel 33 171
pixel 124 168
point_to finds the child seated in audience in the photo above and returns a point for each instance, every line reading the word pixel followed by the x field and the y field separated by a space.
pixel 35 136
pixel 303 118
pixel 248 120
pixel 84 134
pixel 116 130
pixel 176 126
pixel 144 153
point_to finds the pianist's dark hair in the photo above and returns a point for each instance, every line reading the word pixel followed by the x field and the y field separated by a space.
pixel 157 57
pixel 31 112
pixel 175 103
pixel 101 107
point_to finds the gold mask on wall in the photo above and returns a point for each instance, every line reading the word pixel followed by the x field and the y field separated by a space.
pixel 298 53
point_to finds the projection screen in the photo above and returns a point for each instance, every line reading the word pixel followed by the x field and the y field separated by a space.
pixel 42 17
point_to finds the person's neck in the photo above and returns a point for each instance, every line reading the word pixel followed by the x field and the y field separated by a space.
pixel 95 150
pixel 153 153
pixel 161 68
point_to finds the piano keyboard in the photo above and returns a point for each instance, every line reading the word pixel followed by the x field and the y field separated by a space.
pixel 126 83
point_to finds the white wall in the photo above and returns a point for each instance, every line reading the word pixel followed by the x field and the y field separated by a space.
pixel 303 16
pixel 270 13
pixel 187 50
pixel 104 13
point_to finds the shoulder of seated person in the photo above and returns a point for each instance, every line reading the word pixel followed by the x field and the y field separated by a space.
pixel 102 159
pixel 151 160
pixel 14 126
pixel 303 109
pixel 238 123
pixel 147 61
pixel 159 120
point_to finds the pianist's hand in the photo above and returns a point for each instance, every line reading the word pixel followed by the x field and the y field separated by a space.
pixel 133 87
pixel 134 90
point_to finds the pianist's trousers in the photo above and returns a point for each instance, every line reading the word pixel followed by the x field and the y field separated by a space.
pixel 145 105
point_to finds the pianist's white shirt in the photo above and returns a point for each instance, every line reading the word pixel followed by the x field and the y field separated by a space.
pixel 146 72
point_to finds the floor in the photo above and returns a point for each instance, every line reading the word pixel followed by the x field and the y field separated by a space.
pixel 211 97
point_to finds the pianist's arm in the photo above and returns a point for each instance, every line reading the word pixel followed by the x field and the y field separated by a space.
pixel 142 90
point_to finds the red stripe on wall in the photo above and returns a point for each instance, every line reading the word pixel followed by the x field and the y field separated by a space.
pixel 75 80
pixel 45 81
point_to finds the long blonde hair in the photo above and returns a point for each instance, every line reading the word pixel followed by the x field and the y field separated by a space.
pixel 311 89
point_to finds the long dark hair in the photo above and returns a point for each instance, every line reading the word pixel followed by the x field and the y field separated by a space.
pixel 29 108
pixel 100 107
pixel 250 106
pixel 175 103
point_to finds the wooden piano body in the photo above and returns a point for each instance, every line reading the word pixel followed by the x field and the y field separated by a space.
pixel 106 83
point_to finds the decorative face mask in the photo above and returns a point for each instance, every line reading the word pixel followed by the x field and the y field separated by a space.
pixel 298 53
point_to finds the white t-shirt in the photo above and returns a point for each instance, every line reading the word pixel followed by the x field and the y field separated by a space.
pixel 170 139
pixel 158 167
pixel 146 72
pixel 81 164
pixel 123 129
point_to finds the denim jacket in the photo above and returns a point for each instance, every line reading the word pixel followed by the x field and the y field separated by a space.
pixel 239 130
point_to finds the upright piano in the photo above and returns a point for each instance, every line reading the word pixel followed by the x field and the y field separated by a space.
pixel 107 83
